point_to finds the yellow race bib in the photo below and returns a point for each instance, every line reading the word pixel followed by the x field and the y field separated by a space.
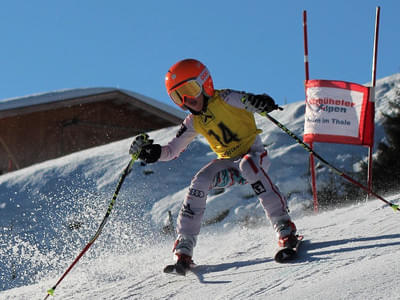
pixel 229 130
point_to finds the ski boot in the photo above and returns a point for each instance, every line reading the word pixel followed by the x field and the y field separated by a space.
pixel 288 241
pixel 286 233
pixel 183 249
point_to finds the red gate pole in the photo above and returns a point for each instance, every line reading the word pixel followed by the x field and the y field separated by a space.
pixel 307 76
pixel 313 181
pixel 374 61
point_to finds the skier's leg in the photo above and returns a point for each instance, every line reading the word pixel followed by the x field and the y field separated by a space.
pixel 228 177
pixel 254 167
pixel 193 207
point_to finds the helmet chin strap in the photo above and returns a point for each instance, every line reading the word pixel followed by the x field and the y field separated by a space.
pixel 194 112
pixel 203 109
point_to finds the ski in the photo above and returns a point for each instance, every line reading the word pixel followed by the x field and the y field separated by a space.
pixel 286 253
pixel 178 269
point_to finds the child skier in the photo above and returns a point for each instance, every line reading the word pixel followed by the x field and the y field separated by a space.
pixel 226 119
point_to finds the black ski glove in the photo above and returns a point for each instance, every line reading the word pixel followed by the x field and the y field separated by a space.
pixel 143 148
pixel 150 153
pixel 259 103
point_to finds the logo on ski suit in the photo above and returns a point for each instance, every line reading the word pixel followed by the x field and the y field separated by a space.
pixel 186 211
pixel 258 187
pixel 196 193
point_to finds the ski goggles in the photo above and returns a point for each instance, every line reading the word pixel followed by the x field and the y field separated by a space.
pixel 191 88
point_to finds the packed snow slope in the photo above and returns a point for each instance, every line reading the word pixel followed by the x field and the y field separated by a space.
pixel 349 253
pixel 48 213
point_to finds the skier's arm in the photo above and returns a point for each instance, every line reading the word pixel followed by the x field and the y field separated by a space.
pixel 253 103
pixel 145 150
pixel 178 144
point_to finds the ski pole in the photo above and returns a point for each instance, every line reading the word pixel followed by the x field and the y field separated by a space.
pixel 102 224
pixel 334 169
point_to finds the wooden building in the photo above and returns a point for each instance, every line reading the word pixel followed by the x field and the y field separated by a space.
pixel 41 127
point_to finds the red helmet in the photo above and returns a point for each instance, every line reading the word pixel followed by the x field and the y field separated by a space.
pixel 188 78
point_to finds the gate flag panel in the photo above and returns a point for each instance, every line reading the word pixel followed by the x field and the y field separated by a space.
pixel 338 112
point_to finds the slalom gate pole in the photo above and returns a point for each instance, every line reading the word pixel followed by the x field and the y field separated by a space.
pixel 334 169
pixel 103 223
pixel 307 77
pixel 373 84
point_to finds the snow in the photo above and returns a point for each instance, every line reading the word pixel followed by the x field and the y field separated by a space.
pixel 49 212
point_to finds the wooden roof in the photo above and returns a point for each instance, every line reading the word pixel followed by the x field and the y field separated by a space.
pixel 67 98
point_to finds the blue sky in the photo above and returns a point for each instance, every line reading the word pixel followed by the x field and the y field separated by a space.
pixel 255 46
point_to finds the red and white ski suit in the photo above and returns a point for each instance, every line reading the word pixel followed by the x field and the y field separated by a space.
pixel 232 133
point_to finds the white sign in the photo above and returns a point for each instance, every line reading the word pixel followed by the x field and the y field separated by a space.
pixel 335 111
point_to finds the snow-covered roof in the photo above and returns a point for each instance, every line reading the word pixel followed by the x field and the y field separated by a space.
pixel 63 95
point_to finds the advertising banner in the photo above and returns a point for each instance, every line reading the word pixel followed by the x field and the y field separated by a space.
pixel 338 112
